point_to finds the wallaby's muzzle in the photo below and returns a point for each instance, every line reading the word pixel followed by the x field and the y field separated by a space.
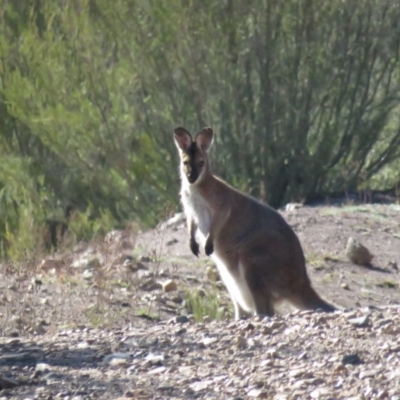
pixel 192 176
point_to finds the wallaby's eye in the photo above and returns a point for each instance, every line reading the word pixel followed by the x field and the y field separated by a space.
pixel 186 163
pixel 201 164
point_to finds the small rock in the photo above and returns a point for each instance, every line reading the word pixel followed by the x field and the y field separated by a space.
pixel 111 358
pixel 271 353
pixel 154 359
pixel 36 281
pixel 267 363
pixel 320 393
pixel 169 286
pixel 209 340
pixel 275 325
pixel 390 330
pixel 357 253
pixel 181 319
pixel 8 383
pixel 340 370
pixel 177 299
pixel 158 370
pixel 220 285
pixel 352 359
pixel 382 394
pixel 118 362
pixel 150 285
pixel 42 367
pixel 133 266
pixel 87 274
pixel 141 267
pixel 125 259
pixel 266 330
pixel 258 394
pixel 144 274
pixel 344 286
pixel 20 357
pixel 395 374
pixel 145 259
pixel 93 263
pixel 295 373
pixel 241 342
pixel 172 242
pixel 17 319
pixel 302 356
pixel 393 265
pixel 368 374
pixel 199 386
pixel 249 327
pixel 360 322
pixel 293 206
pixel 165 388
pixel 50 265
pixel 163 273
pixel 44 301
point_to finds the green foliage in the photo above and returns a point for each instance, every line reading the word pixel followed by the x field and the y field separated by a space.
pixel 204 305
pixel 83 226
pixel 303 96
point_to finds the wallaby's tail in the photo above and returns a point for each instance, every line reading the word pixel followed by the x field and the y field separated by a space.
pixel 306 298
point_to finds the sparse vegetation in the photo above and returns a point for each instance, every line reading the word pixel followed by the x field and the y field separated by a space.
pixel 389 283
pixel 319 260
pixel 202 304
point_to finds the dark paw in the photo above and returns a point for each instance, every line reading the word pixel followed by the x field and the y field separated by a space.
pixel 209 249
pixel 194 246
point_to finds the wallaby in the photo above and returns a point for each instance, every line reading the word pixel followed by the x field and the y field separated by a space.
pixel 258 255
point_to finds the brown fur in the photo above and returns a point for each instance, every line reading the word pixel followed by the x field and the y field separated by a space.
pixel 253 245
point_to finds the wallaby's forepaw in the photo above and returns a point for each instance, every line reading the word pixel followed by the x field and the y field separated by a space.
pixel 194 246
pixel 209 248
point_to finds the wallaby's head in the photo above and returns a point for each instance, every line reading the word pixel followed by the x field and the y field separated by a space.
pixel 194 160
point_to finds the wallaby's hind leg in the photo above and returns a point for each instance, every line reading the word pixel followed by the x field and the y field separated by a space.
pixel 262 298
pixel 304 297
pixel 264 304
pixel 231 274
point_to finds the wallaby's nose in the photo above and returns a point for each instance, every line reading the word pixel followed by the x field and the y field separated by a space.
pixel 192 176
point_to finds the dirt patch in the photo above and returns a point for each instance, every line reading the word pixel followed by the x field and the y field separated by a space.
pixel 111 319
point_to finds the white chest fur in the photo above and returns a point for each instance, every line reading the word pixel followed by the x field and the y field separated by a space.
pixel 196 207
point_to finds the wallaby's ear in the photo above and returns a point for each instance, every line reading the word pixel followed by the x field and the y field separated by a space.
pixel 204 138
pixel 183 138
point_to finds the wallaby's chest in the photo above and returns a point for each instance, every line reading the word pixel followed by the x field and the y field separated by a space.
pixel 196 207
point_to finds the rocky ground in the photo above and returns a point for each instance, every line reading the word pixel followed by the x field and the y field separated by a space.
pixel 126 317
